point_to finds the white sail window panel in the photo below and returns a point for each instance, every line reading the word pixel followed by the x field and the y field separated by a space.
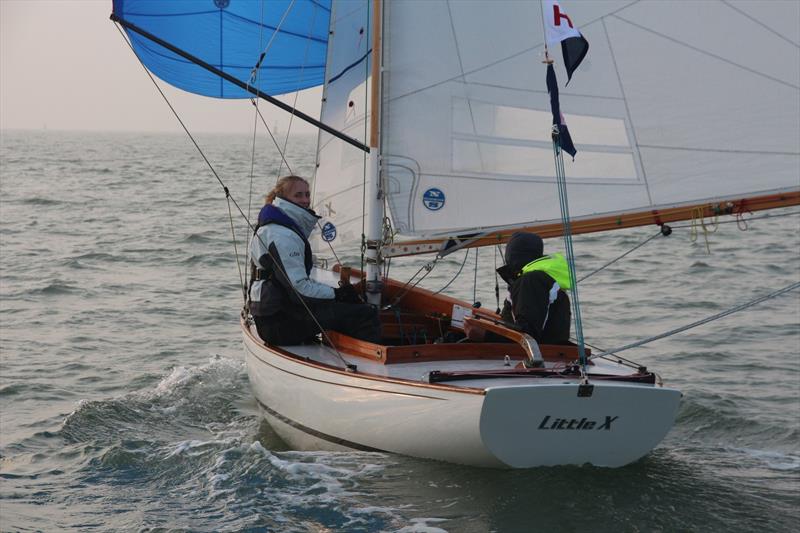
pixel 512 141
pixel 530 163
pixel 514 122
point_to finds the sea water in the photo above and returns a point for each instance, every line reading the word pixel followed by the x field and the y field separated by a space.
pixel 126 406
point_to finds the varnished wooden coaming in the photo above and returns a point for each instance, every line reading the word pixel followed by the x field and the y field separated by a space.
pixel 419 353
pixel 430 312
pixel 282 353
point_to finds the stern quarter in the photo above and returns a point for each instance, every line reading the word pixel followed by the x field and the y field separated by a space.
pixel 541 425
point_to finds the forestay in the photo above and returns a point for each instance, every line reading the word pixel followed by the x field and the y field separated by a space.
pixel 675 104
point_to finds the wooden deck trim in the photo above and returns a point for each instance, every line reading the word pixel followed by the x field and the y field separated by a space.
pixel 279 352
pixel 419 353
pixel 724 206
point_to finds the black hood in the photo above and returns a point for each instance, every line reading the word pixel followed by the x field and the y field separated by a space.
pixel 523 248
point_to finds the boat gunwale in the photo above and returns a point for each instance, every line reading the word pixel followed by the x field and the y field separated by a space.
pixel 361 375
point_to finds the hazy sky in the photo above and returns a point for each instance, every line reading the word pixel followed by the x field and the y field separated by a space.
pixel 64 65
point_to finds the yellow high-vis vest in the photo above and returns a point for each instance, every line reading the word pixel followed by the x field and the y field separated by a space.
pixel 553 265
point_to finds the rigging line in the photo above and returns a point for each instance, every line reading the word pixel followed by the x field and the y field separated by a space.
pixel 297 92
pixel 496 281
pixel 256 71
pixel 709 54
pixel 239 83
pixel 464 262
pixel 618 358
pixel 185 129
pixel 274 140
pixel 233 200
pixel 650 238
pixel 275 32
pixel 236 249
pixel 365 161
pixel 475 280
pixel 564 204
pixel 760 23
pixel 254 75
pixel 730 311
pixel 252 164
pixel 405 290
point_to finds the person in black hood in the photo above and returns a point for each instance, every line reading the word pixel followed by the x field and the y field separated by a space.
pixel 536 301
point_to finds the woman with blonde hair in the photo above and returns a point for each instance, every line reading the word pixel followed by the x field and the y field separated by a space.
pixel 283 297
pixel 292 188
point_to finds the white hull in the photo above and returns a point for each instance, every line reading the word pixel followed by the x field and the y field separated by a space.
pixel 517 423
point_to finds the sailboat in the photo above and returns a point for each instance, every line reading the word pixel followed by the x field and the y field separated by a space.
pixel 435 135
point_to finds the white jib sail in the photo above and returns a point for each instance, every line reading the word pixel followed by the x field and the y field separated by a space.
pixel 339 181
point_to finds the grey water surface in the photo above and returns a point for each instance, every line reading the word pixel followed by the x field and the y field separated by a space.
pixel 125 404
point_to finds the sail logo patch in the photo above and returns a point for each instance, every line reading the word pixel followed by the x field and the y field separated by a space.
pixel 328 232
pixel 433 199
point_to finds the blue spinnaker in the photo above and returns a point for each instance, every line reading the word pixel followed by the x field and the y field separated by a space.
pixel 231 35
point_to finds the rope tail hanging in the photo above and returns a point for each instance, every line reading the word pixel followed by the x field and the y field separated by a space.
pixel 698 219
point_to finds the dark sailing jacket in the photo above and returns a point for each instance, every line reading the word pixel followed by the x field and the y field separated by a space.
pixel 537 303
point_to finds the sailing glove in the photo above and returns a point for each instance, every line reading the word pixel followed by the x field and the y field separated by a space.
pixel 346 293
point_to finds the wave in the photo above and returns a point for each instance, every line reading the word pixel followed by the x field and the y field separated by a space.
pixel 183 435
pixel 58 288
pixel 41 201
pixel 715 418
pixel 771 459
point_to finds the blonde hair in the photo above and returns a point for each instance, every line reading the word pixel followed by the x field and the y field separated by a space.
pixel 282 186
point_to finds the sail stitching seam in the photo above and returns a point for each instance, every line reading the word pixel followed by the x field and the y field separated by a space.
pixel 709 54
pixel 752 18
pixel 628 113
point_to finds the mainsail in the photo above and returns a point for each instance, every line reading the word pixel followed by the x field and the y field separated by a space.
pixel 677 106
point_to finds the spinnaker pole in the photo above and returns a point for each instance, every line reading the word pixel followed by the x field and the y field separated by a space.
pixel 239 83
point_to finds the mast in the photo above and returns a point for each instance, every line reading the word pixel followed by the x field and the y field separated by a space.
pixel 374 223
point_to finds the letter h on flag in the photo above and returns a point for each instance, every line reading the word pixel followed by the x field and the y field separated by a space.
pixel 559 29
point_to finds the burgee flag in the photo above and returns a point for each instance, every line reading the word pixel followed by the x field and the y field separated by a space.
pixel 564 138
pixel 560 29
